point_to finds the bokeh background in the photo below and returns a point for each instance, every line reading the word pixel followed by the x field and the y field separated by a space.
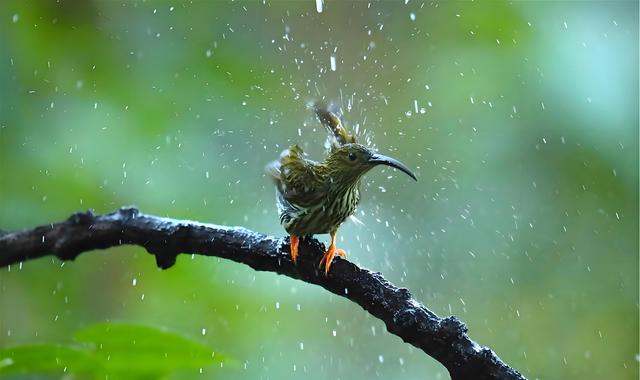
pixel 520 120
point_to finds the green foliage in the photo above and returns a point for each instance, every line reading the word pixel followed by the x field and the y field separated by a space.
pixel 47 359
pixel 112 350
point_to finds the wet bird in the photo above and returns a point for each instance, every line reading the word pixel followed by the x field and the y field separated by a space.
pixel 317 197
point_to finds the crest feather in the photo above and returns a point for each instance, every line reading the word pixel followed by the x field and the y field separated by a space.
pixel 331 118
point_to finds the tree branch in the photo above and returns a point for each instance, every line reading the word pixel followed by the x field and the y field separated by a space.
pixel 445 339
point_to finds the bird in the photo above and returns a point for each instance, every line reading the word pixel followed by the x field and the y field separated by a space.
pixel 317 197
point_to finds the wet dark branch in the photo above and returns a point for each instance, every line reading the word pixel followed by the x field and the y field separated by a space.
pixel 445 339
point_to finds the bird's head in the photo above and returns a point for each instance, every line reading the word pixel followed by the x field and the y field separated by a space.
pixel 350 161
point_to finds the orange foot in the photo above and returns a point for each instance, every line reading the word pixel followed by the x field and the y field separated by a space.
pixel 294 247
pixel 327 259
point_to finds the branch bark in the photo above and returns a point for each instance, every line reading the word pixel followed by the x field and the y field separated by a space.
pixel 444 339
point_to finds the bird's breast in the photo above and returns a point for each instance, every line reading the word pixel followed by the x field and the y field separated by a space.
pixel 337 208
pixel 322 218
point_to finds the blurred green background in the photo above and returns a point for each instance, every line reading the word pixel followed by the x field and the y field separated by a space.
pixel 520 120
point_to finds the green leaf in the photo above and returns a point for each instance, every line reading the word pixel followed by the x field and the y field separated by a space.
pixel 123 348
pixel 45 358
pixel 110 350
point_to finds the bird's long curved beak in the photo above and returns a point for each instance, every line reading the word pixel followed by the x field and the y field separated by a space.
pixel 379 159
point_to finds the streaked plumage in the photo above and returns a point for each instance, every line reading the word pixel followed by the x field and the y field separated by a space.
pixel 317 197
pixel 312 197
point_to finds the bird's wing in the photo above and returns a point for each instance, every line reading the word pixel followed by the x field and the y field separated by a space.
pixel 331 118
pixel 296 179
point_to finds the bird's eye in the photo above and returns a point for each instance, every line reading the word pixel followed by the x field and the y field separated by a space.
pixel 352 156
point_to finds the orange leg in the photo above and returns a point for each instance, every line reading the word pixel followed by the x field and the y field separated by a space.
pixel 294 247
pixel 327 259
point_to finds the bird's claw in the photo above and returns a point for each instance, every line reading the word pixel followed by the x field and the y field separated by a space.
pixel 327 259
pixel 294 248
